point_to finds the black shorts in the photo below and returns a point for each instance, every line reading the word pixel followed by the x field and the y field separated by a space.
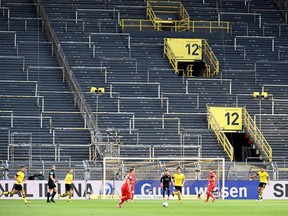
pixel 261 184
pixel 68 187
pixel 51 185
pixel 178 188
pixel 17 187
pixel 166 187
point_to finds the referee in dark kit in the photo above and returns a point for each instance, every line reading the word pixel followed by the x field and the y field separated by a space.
pixel 52 185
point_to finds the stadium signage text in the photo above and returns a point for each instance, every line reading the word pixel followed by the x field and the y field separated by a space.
pixel 277 190
pixel 150 189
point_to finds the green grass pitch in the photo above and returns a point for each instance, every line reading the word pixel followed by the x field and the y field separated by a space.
pixel 145 208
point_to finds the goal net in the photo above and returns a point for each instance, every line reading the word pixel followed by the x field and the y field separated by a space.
pixel 148 172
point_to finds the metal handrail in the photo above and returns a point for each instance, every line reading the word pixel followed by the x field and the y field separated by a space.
pixel 170 55
pixel 69 76
pixel 221 137
pixel 208 56
pixel 176 24
pixel 212 59
pixel 201 79
pixel 162 119
pixel 257 135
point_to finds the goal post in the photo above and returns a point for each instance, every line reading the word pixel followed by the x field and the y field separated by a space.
pixel 149 171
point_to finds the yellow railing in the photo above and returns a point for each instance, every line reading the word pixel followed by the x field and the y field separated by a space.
pixel 210 59
pixel 184 23
pixel 176 25
pixel 179 25
pixel 212 63
pixel 151 16
pixel 183 12
pixel 170 55
pixel 211 25
pixel 221 137
pixel 256 135
pixel 136 23
pixel 207 71
pixel 189 71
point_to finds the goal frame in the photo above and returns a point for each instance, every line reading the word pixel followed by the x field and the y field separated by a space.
pixel 163 158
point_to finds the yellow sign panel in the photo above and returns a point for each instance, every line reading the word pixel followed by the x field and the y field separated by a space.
pixel 228 118
pixel 186 49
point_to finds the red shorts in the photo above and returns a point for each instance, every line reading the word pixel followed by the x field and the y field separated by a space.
pixel 125 192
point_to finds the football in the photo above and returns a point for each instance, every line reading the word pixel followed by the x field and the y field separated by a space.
pixel 165 204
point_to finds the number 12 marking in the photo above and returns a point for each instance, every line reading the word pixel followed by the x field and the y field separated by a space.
pixel 192 49
pixel 229 116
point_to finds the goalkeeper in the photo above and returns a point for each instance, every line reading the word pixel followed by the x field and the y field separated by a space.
pixel 165 182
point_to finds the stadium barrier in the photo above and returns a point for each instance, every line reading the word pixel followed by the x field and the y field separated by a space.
pixel 210 58
pixel 150 189
pixel 171 16
pixel 155 8
pixel 176 51
pixel 221 137
pixel 69 76
pixel 256 135
pixel 242 122
pixel 173 25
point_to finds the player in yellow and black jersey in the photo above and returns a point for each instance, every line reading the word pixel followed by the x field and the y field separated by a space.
pixel 68 187
pixel 264 180
pixel 178 180
pixel 18 187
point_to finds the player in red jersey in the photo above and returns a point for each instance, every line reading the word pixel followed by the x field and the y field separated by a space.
pixel 133 189
pixel 211 185
pixel 127 188
pixel 132 193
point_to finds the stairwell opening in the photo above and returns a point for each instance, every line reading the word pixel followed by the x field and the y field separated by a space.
pixel 198 69
pixel 243 147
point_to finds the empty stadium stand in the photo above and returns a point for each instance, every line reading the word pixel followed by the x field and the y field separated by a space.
pixel 146 105
pixel 38 115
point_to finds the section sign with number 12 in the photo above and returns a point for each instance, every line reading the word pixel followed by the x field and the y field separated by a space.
pixel 228 118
